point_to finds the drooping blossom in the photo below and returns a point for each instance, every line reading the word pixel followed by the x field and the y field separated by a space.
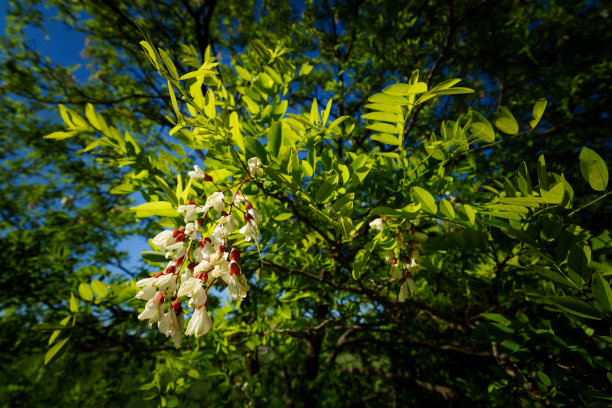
pixel 255 166
pixel 200 323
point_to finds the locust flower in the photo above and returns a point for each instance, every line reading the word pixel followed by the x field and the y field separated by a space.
pixel 216 201
pixel 171 324
pixel 154 309
pixel 378 224
pixel 255 166
pixel 200 323
pixel 225 225
pixel 197 173
pixel 191 211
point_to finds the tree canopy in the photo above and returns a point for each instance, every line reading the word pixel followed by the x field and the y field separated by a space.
pixel 392 204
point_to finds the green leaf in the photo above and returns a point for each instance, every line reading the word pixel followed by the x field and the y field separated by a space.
pixel 54 350
pixel 384 117
pixel 481 128
pixel 389 99
pixel 255 149
pixel 283 216
pixel 382 127
pixel 469 211
pixel 422 196
pixel 498 318
pixel 60 135
pixel 275 138
pixel 538 111
pixel 406 89
pixel 488 332
pixel 602 292
pixel 506 122
pixel 384 107
pixel 168 63
pixel 243 73
pixel 99 288
pixel 361 259
pixel 325 191
pixel 73 304
pixel 85 292
pixel 314 113
pixel 446 208
pixel 555 194
pixel 594 169
pixel 524 180
pixel 385 138
pixel 155 208
pixel 576 307
pixel 326 112
pixel 542 173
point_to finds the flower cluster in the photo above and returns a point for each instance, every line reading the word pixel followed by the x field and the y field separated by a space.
pixel 199 258
pixel 408 258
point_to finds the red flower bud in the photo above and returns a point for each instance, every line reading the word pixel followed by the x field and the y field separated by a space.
pixel 409 275
pixel 393 261
pixel 175 233
pixel 221 248
pixel 180 237
pixel 234 269
pixel 203 276
pixel 235 255
pixel 207 177
pixel 191 265
pixel 159 298
pixel 200 221
pixel 247 217
pixel 176 305
pixel 223 214
pixel 157 275
pixel 248 206
pixel 170 270
pixel 192 203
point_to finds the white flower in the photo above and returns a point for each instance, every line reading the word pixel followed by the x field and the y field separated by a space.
pixel 191 211
pixel 220 270
pixel 238 286
pixel 216 239
pixel 189 286
pixel 171 325
pixel 216 201
pixel 146 293
pixel 204 250
pixel 411 264
pixel 225 225
pixel 167 283
pixel 164 240
pixel 249 230
pixel 254 166
pixel 377 224
pixel 199 324
pixel 197 173
pixel 154 309
pixel 255 214
pixel 191 229
pixel 198 298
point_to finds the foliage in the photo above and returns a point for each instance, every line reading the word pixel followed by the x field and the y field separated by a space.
pixel 414 246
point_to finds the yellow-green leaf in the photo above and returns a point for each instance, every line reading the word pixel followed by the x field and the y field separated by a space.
pixel 158 208
pixel 54 350
pixel 85 292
